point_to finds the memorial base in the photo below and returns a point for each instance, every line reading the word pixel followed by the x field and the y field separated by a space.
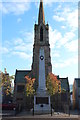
pixel 42 103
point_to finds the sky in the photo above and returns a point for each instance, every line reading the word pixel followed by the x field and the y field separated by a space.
pixel 17 34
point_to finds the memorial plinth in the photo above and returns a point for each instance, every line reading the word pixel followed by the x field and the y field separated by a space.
pixel 42 98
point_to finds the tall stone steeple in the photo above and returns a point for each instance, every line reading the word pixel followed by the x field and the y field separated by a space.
pixel 41 39
pixel 41 17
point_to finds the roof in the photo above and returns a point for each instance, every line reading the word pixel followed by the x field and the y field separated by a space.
pixel 20 75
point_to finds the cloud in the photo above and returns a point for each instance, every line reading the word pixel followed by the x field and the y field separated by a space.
pixel 58 18
pixel 21 47
pixel 57 39
pixel 67 37
pixel 18 41
pixel 63 27
pixel 59 7
pixel 66 63
pixel 15 8
pixel 28 36
pixel 55 54
pixel 69 16
pixel 54 36
pixel 22 55
pixel 72 18
pixel 24 44
pixel 4 50
pixel 72 46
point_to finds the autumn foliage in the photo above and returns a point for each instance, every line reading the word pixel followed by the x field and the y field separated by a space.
pixel 6 84
pixel 29 86
pixel 53 84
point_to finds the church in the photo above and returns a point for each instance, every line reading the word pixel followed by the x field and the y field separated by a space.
pixel 41 39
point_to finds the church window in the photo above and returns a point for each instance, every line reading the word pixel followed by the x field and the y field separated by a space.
pixel 41 34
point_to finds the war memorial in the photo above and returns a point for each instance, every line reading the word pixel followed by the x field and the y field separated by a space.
pixel 42 103
pixel 42 99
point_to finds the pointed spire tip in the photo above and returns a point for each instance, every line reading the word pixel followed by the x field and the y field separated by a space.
pixel 41 17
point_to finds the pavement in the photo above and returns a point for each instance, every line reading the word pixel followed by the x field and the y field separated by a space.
pixel 24 115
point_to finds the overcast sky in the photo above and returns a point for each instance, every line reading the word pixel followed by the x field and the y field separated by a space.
pixel 18 19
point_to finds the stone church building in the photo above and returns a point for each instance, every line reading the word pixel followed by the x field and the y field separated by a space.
pixel 41 39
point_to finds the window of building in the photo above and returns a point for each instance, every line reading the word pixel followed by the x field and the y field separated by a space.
pixel 41 34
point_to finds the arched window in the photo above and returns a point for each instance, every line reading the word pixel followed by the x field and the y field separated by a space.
pixel 41 34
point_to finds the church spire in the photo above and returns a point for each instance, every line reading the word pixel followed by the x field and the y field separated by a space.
pixel 41 17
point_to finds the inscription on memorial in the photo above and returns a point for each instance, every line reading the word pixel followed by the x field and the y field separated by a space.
pixel 42 100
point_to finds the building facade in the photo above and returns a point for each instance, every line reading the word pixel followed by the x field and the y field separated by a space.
pixel 76 93
pixel 61 101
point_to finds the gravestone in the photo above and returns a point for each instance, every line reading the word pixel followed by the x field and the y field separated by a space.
pixel 42 98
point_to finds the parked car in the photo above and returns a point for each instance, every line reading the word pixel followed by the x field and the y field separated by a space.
pixel 8 106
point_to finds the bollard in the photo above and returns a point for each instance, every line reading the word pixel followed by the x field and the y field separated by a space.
pixel 14 111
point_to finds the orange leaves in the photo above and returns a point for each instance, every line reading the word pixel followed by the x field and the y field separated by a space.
pixel 54 79
pixel 53 84
pixel 29 80
pixel 29 86
pixel 52 76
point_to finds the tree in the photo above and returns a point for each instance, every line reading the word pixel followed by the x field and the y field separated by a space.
pixel 6 84
pixel 30 86
pixel 29 92
pixel 6 81
pixel 53 84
